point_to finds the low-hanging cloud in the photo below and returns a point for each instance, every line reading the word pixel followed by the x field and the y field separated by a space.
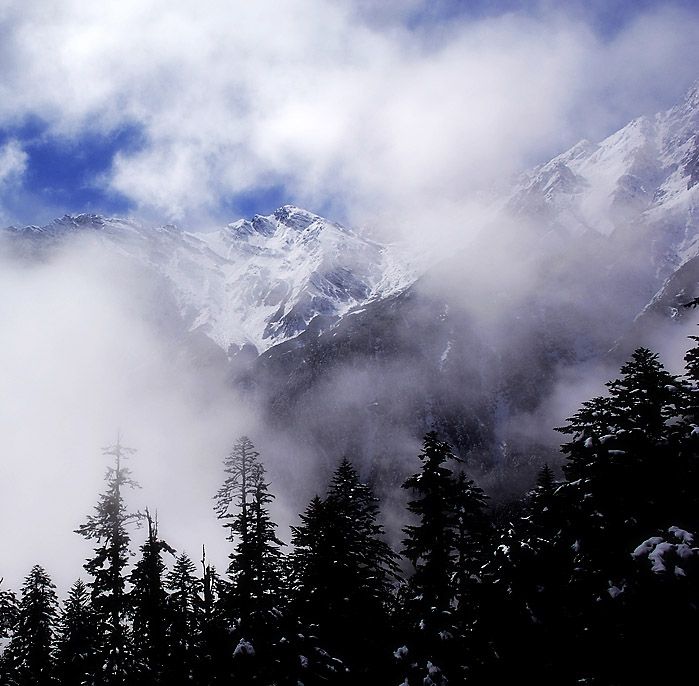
pixel 84 354
pixel 345 107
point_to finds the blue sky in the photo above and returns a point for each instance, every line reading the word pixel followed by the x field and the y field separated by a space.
pixel 352 108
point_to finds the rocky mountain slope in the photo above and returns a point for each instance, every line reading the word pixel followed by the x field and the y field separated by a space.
pixel 253 283
pixel 357 347
pixel 593 254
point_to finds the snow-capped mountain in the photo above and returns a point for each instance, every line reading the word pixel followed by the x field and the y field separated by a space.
pixel 358 347
pixel 253 283
pixel 593 254
pixel 645 174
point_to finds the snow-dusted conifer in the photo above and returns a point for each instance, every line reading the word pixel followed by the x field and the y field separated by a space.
pixel 184 603
pixel 149 610
pixel 344 573
pixel 77 642
pixel 30 657
pixel 109 527
pixel 431 544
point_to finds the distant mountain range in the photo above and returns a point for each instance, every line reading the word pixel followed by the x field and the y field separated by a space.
pixel 254 283
pixel 353 346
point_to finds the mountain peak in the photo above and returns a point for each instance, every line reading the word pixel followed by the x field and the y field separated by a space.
pixel 295 217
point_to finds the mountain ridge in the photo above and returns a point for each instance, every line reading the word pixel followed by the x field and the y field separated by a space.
pixel 348 345
pixel 253 283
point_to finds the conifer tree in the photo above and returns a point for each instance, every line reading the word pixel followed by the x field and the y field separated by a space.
pixel 345 574
pixel 444 548
pixel 77 644
pixel 8 619
pixel 184 603
pixel 254 566
pixel 109 527
pixel 685 470
pixel 618 456
pixel 431 544
pixel 472 544
pixel 148 602
pixel 619 488
pixel 251 599
pixel 30 654
pixel 8 611
pixel 233 498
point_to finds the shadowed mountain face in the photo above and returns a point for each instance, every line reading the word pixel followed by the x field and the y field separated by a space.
pixel 592 255
pixel 345 346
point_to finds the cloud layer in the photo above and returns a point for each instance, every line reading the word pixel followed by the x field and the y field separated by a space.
pixel 81 359
pixel 392 116
pixel 367 113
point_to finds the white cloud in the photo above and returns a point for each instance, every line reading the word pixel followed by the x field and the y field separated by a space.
pixel 13 162
pixel 81 358
pixel 334 100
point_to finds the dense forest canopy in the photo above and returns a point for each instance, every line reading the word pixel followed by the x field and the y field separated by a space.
pixel 587 578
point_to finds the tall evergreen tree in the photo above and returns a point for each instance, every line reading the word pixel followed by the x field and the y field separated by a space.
pixel 617 459
pixel 184 628
pixel 685 467
pixel 446 548
pixel 233 498
pixel 618 491
pixel 77 642
pixel 109 527
pixel 345 573
pixel 251 599
pixel 472 543
pixel 254 566
pixel 431 544
pixel 148 603
pixel 31 658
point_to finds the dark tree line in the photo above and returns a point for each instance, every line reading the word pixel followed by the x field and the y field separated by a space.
pixel 591 578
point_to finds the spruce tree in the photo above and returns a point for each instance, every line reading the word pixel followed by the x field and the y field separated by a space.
pixel 109 527
pixel 251 598
pixel 256 588
pixel 233 498
pixel 434 648
pixel 77 643
pixel 254 566
pixel 344 575
pixel 617 459
pixel 30 654
pixel 619 489
pixel 148 604
pixel 184 604
pixel 8 611
pixel 684 472
pixel 431 544
pixel 472 545
pixel 8 619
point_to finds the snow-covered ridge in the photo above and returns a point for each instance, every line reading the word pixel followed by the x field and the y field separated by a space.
pixel 262 281
pixel 645 172
pixel 257 282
